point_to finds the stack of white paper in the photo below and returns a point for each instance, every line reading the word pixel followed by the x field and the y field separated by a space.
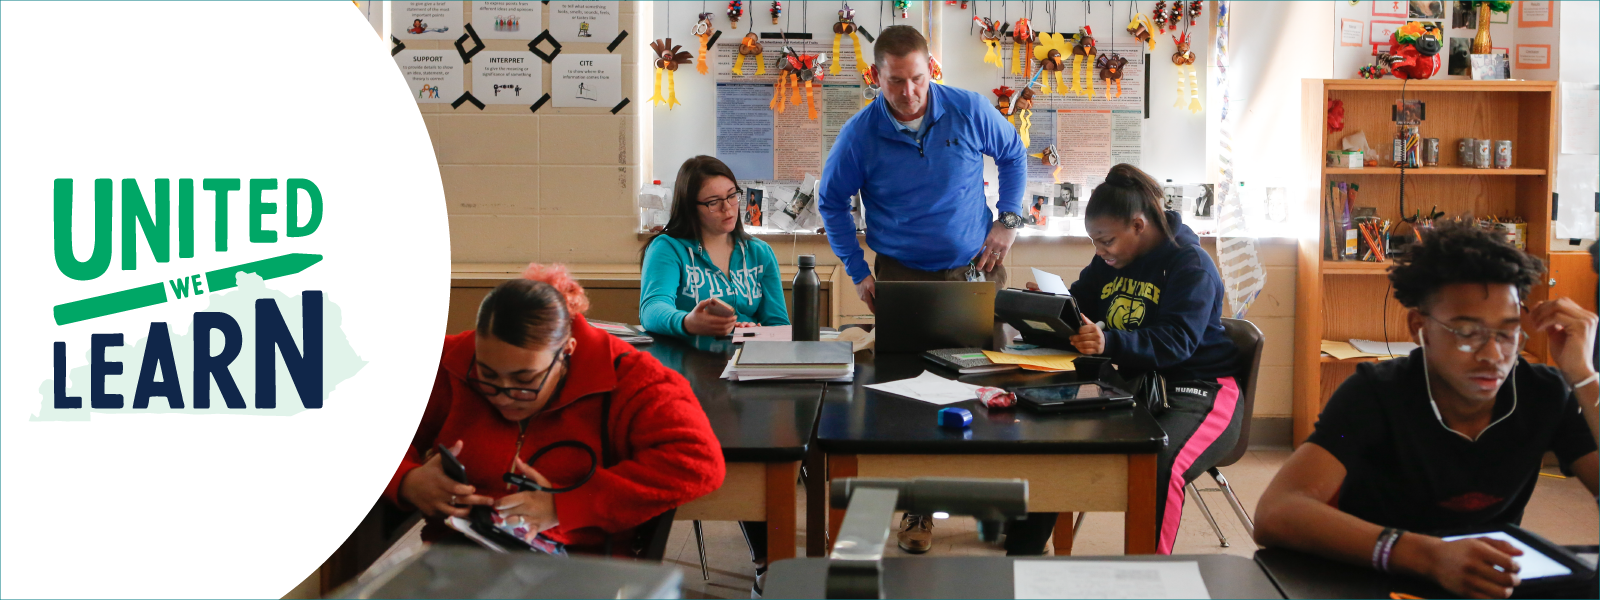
pixel 1395 348
pixel 929 388
pixel 732 372
pixel 1108 579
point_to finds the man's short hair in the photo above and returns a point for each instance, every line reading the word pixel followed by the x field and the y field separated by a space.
pixel 898 40
pixel 1460 252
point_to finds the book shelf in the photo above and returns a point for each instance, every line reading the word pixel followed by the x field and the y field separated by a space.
pixel 1343 300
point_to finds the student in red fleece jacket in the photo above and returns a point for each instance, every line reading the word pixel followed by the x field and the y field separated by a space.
pixel 533 373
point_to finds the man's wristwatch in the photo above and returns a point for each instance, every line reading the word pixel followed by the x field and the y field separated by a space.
pixel 1010 220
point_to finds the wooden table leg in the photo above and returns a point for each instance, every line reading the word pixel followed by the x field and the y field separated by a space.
pixel 1140 534
pixel 816 503
pixel 840 466
pixel 780 510
pixel 1062 538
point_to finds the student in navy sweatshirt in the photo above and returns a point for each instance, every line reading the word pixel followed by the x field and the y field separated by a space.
pixel 1152 303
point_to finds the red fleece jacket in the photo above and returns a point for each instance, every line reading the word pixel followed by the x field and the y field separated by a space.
pixel 665 450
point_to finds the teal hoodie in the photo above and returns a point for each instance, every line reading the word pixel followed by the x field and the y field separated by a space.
pixel 678 274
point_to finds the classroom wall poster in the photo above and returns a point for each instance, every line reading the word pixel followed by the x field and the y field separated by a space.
pixel 1533 56
pixel 434 76
pixel 439 20
pixel 796 144
pixel 586 80
pixel 1350 32
pixel 494 20
pixel 1532 13
pixel 1391 8
pixel 507 77
pixel 744 130
pixel 583 21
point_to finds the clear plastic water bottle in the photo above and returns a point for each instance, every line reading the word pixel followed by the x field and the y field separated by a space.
pixel 653 207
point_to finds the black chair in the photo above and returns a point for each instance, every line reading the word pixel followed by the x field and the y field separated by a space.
pixel 1249 340
pixel 650 537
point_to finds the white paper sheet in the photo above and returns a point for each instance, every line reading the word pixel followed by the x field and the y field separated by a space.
pixel 929 388
pixel 1108 579
pixel 1050 282
pixel 1580 118
pixel 1395 348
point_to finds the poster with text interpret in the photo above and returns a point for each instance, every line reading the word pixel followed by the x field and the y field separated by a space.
pixel 507 77
pixel 438 20
pixel 496 20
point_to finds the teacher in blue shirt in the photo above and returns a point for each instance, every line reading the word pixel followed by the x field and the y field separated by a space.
pixel 916 157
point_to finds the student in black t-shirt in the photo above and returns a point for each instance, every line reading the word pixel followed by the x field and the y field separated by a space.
pixel 1451 436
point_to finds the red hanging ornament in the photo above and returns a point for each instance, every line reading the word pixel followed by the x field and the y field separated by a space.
pixel 1160 17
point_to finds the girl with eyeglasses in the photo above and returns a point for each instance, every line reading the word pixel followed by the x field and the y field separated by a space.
pixel 704 257
pixel 534 374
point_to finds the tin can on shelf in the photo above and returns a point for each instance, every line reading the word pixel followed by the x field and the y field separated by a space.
pixel 1502 154
pixel 1466 151
pixel 1481 154
pixel 1430 152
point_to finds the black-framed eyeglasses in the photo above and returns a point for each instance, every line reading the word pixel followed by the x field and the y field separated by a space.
pixel 729 201
pixel 1475 337
pixel 489 390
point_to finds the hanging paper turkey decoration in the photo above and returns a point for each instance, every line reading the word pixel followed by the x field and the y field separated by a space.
pixel 989 33
pixel 668 57
pixel 1083 56
pixel 1111 66
pixel 702 30
pixel 1139 27
pixel 845 27
pixel 1022 36
pixel 1003 104
pixel 1184 60
pixel 807 68
pixel 1050 158
pixel 1052 55
pixel 1024 109
pixel 750 46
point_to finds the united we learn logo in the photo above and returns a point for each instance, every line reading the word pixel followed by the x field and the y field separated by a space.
pixel 227 359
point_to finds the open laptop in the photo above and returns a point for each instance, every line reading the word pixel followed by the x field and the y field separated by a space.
pixel 916 316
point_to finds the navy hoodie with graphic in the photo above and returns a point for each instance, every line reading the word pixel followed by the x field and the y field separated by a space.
pixel 1163 311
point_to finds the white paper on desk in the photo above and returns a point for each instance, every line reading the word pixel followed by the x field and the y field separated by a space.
pixel 929 388
pixel 1050 282
pixel 1108 579
pixel 1395 348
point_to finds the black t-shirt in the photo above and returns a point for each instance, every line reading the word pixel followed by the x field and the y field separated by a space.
pixel 1405 469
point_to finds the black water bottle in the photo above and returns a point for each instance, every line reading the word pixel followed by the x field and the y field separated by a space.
pixel 806 288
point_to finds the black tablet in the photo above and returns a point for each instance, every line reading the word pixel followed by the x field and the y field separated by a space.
pixel 1076 396
pixel 1542 561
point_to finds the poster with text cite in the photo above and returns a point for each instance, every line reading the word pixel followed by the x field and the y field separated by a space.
pixel 507 77
pixel 583 21
pixel 425 21
pixel 586 80
pixel 507 20
pixel 434 76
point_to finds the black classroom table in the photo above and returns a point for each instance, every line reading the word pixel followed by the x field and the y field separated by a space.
pixel 1093 461
pixel 765 429
pixel 1226 576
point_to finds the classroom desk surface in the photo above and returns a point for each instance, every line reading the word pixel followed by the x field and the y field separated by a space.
pixel 1301 575
pixel 991 576
pixel 754 421
pixel 1095 461
pixel 857 420
pixel 765 430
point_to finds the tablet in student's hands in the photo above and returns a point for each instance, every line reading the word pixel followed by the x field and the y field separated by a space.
pixel 1535 564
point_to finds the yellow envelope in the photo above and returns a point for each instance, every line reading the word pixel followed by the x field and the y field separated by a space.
pixel 1050 362
pixel 1346 351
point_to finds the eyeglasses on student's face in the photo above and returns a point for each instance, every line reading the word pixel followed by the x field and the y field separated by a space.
pixel 518 394
pixel 725 203
pixel 1474 337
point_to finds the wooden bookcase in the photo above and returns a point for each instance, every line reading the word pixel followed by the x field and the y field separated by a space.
pixel 1343 300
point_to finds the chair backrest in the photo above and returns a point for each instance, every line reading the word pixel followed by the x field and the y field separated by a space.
pixel 1249 340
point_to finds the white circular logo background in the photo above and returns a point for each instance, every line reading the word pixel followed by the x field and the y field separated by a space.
pixel 205 503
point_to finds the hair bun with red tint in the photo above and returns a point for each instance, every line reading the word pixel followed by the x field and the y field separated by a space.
pixel 556 276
